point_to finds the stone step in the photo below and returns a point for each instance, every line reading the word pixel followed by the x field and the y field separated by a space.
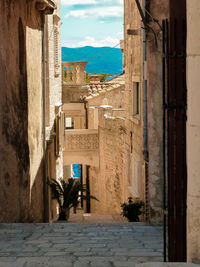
pixel 167 264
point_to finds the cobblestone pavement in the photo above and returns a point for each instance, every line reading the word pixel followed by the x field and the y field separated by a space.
pixel 79 245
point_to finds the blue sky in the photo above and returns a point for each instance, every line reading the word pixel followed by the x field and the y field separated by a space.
pixel 91 22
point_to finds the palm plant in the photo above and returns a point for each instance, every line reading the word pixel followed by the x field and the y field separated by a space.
pixel 67 195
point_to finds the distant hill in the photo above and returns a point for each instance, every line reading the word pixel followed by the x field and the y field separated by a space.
pixel 110 62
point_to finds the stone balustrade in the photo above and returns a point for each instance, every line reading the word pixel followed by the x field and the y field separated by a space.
pixel 73 73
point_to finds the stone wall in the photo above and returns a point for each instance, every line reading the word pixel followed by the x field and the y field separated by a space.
pixel 134 160
pixel 193 131
pixel 133 54
pixel 54 163
pixel 21 112
pixel 22 108
pixel 159 10
pixel 107 182
pixel 53 68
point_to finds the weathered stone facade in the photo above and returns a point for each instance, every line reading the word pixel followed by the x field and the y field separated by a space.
pixel 21 32
pixel 106 113
pixel 193 131
pixel 96 139
pixel 53 107
pixel 143 68
pixel 159 10
pixel 153 76
pixel 22 136
pixel 134 160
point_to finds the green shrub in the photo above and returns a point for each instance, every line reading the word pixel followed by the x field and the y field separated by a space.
pixel 67 195
pixel 132 210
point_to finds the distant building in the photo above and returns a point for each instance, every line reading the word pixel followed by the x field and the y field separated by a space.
pixel 106 114
pixel 95 78
pixel 95 137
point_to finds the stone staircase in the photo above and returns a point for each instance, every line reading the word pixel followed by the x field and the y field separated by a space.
pixel 79 245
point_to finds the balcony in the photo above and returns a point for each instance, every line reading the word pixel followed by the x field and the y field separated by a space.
pixel 81 147
pixel 74 87
pixel 74 73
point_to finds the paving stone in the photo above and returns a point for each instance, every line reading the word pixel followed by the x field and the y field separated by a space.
pixel 7 259
pixel 74 244
pixel 80 264
pixel 168 264
pixel 124 264
pixel 101 264
pixel 79 253
pixel 55 253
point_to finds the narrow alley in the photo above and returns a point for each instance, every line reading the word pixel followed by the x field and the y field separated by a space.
pixel 79 245
pixel 99 133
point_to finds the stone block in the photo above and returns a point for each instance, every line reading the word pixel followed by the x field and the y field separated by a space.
pixel 193 13
pixel 166 264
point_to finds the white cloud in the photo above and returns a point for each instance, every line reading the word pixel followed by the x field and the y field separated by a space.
pixel 78 2
pixel 121 34
pixel 99 12
pixel 90 41
pixel 90 2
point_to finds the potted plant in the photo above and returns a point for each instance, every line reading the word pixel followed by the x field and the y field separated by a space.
pixel 132 210
pixel 67 195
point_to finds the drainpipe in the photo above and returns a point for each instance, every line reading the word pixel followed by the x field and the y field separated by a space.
pixel 145 89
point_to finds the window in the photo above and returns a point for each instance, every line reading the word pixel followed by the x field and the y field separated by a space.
pixel 136 99
pixel 69 123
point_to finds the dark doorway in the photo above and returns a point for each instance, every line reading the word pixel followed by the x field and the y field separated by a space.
pixel 174 122
pixel 88 190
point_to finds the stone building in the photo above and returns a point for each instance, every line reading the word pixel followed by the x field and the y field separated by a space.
pixel 106 114
pixel 95 136
pixel 54 115
pixel 143 68
pixel 73 93
pixel 27 80
pixel 133 157
pixel 169 102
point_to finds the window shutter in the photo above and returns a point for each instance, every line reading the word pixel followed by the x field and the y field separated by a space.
pixel 56 51
pixel 62 131
pixel 57 134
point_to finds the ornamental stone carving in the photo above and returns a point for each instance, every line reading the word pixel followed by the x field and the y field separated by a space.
pixel 81 142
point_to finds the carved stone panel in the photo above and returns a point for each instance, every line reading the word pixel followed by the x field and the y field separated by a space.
pixel 82 142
